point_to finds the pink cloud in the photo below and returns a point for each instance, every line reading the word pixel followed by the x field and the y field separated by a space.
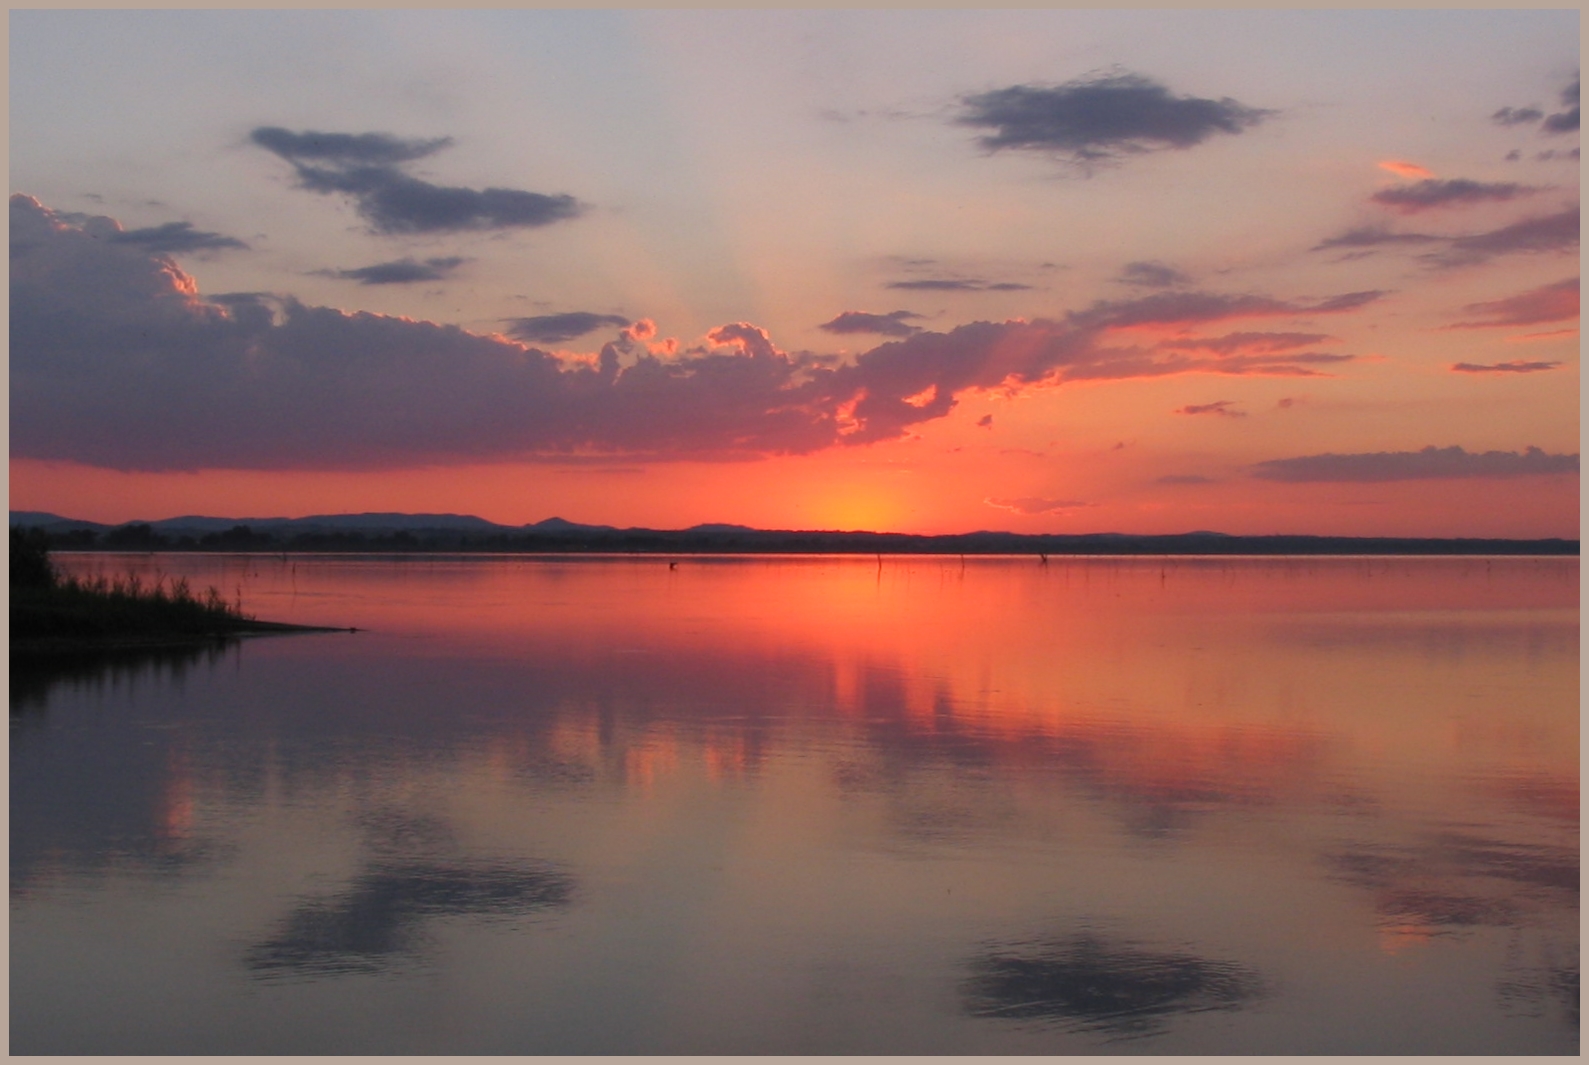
pixel 1556 302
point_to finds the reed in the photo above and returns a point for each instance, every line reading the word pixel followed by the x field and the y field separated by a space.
pixel 46 604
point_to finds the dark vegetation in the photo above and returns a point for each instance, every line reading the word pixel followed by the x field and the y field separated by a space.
pixel 86 665
pixel 51 611
pixel 569 538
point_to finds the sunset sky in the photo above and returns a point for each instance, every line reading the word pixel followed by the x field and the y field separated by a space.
pixel 928 271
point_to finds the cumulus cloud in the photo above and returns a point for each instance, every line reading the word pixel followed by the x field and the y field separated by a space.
pixel 1556 302
pixel 1151 275
pixel 401 272
pixel 1409 199
pixel 1504 367
pixel 368 168
pixel 117 361
pixel 1224 406
pixel 1101 117
pixel 893 324
pixel 558 328
pixel 1032 505
pixel 1429 464
pixel 949 284
pixel 174 238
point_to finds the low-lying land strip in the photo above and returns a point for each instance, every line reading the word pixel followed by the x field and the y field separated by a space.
pixel 451 533
pixel 52 612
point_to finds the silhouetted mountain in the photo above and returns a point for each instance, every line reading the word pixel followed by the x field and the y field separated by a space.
pixel 50 522
pixel 559 525
pixel 458 532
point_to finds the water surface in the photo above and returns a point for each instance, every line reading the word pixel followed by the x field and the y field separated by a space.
pixel 813 805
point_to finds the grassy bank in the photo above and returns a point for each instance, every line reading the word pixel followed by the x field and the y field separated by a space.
pixel 50 609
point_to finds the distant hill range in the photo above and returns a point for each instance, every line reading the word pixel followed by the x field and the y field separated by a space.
pixel 464 532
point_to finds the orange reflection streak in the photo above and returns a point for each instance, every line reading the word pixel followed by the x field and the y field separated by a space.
pixel 1155 681
pixel 1402 936
pixel 726 757
pixel 648 762
pixel 174 823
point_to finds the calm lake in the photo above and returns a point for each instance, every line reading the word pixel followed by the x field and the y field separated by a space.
pixel 812 805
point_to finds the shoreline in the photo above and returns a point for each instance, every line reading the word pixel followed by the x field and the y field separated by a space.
pixel 34 647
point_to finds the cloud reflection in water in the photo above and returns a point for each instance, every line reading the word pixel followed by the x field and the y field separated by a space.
pixel 1091 984
pixel 366 928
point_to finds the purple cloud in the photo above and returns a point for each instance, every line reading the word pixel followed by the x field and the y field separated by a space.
pixel 117 361
pixel 1373 237
pixel 174 238
pixel 1564 121
pixel 1504 367
pixel 1516 116
pixel 1433 192
pixel 1556 302
pixel 1546 233
pixel 1151 275
pixel 947 284
pixel 367 167
pixel 1102 117
pixel 1223 406
pixel 893 324
pixel 1247 342
pixel 400 272
pixel 558 328
pixel 1429 464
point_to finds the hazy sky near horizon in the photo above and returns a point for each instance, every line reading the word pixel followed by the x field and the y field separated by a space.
pixel 1069 271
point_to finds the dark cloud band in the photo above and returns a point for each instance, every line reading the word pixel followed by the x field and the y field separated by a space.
pixel 1544 233
pixel 1503 367
pixel 1458 191
pixel 557 328
pixel 366 166
pixel 400 272
pixel 1432 463
pixel 948 284
pixel 174 238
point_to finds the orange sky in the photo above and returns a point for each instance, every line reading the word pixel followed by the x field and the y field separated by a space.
pixel 1068 276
